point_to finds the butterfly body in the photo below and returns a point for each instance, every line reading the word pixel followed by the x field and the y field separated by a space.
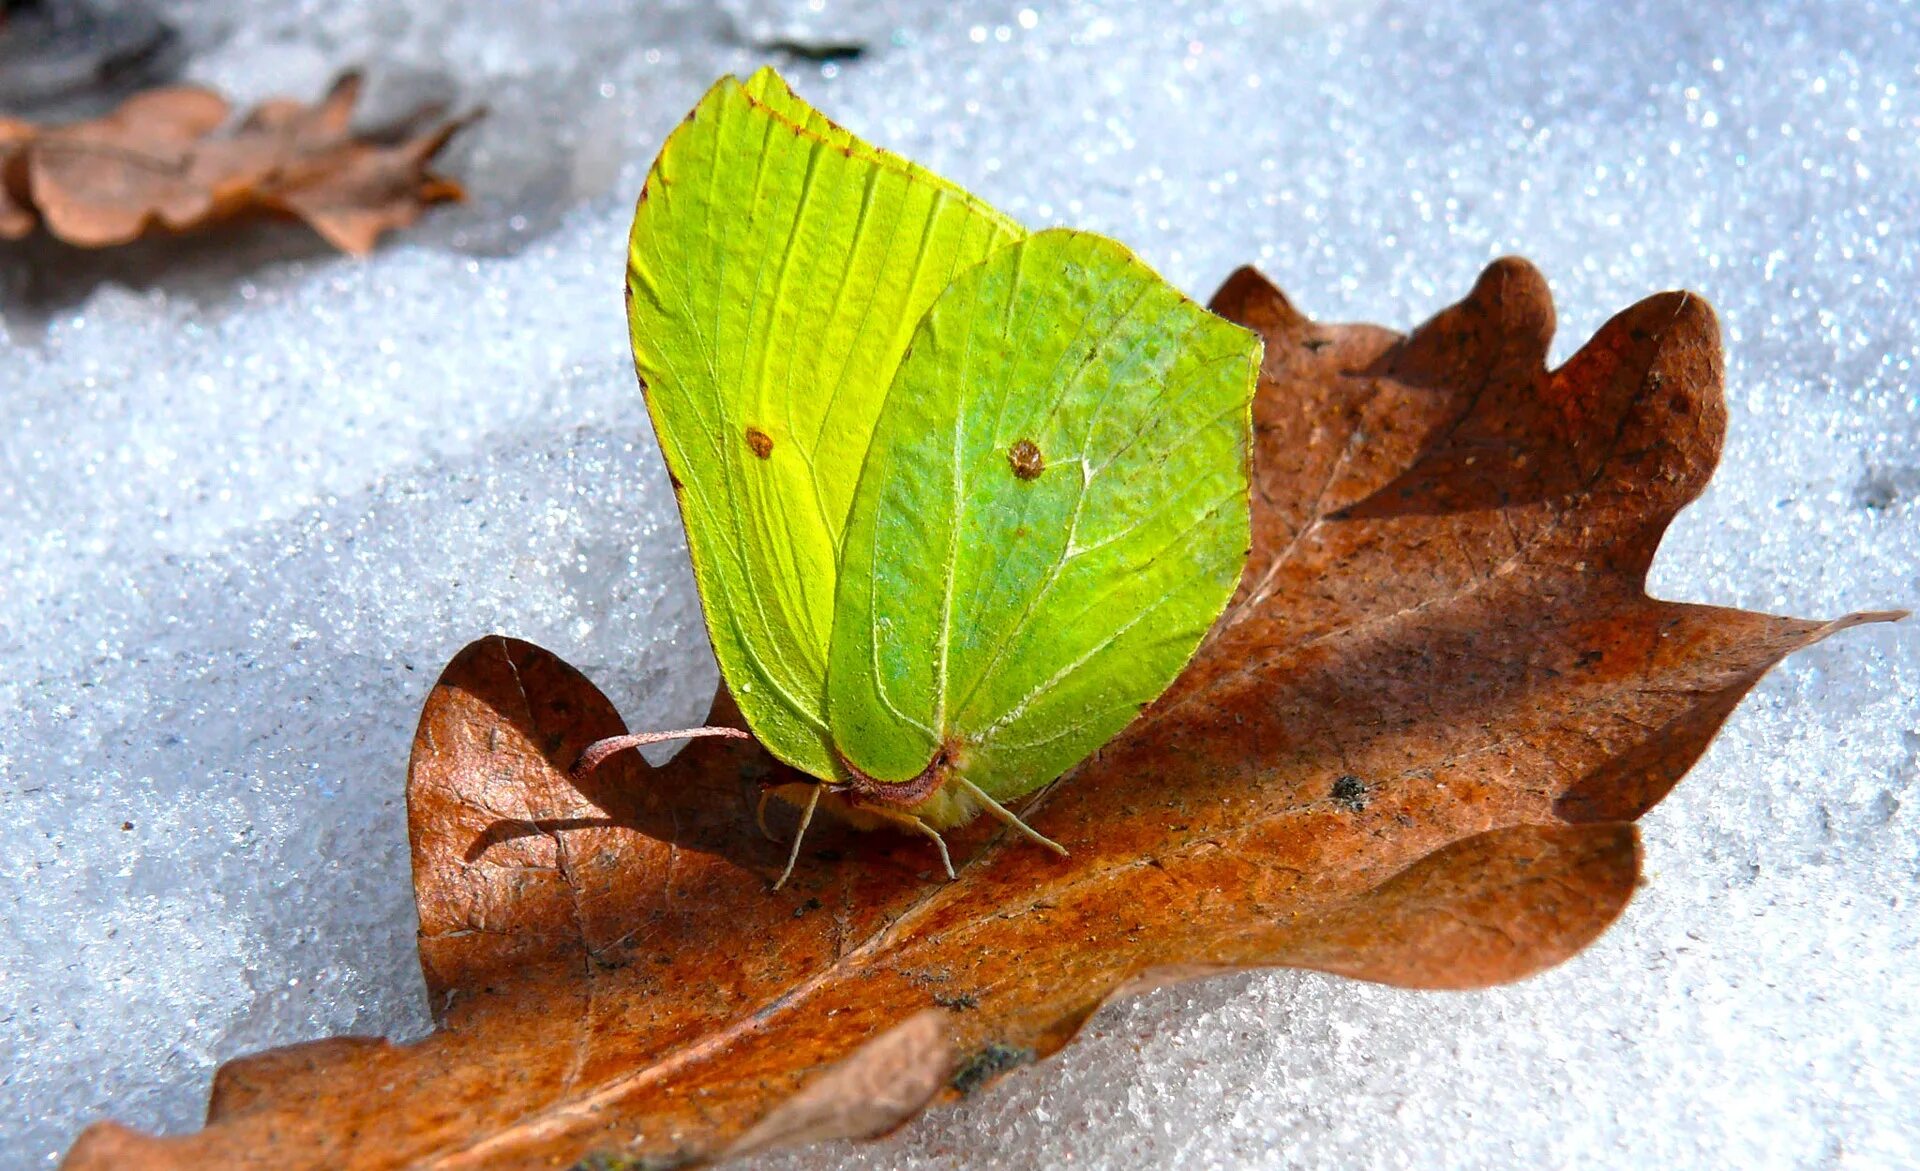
pixel 960 498
pixel 874 805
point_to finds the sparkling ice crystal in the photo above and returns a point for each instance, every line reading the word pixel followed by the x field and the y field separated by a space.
pixel 255 495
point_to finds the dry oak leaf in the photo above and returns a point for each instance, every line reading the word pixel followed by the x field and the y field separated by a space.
pixel 1411 752
pixel 16 212
pixel 160 159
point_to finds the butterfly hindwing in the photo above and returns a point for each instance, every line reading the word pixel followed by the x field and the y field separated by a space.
pixel 1053 512
pixel 777 268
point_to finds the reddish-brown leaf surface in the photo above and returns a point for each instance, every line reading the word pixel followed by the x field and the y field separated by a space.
pixel 161 160
pixel 1411 752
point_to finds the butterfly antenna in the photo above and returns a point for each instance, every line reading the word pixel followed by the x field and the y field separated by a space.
pixel 598 751
pixel 1007 816
pixel 806 818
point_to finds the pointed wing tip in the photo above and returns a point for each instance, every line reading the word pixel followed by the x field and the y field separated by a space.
pixel 769 73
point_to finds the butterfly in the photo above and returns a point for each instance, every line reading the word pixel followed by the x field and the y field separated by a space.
pixel 960 498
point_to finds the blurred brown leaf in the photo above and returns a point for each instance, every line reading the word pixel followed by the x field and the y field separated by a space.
pixel 160 161
pixel 1410 752
pixel 16 212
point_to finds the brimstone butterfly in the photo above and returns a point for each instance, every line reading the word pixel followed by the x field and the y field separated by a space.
pixel 961 499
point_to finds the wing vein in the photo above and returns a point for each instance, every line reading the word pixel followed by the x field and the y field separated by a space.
pixel 1073 525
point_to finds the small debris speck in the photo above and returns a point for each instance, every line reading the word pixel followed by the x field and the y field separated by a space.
pixel 987 1064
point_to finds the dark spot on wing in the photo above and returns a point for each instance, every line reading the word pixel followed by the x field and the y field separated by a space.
pixel 759 442
pixel 1026 459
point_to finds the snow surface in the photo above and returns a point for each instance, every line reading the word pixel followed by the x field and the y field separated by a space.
pixel 255 495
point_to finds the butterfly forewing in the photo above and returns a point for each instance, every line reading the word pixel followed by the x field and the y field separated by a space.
pixel 771 90
pixel 777 267
pixel 1053 512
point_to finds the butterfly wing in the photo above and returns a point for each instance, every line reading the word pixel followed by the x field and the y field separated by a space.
pixel 772 91
pixel 1053 512
pixel 776 269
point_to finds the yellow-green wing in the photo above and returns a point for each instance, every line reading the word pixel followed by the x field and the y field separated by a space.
pixel 771 90
pixel 776 269
pixel 1054 511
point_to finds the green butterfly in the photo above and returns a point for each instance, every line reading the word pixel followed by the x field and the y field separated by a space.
pixel 961 499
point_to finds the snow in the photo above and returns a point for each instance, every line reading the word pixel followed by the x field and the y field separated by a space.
pixel 255 495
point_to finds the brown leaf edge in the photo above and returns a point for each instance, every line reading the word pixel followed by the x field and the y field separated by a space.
pixel 1408 753
pixel 160 162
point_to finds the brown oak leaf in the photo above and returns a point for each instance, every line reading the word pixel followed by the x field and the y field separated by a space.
pixel 161 160
pixel 16 211
pixel 1411 751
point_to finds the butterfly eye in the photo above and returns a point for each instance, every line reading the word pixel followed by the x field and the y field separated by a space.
pixel 759 442
pixel 1026 459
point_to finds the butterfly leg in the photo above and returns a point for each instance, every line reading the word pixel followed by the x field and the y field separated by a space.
pixel 946 859
pixel 912 824
pixel 799 835
pixel 760 815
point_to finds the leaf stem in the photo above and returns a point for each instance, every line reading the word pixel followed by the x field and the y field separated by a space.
pixel 598 751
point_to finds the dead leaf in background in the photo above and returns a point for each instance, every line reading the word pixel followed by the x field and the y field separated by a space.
pixel 160 160
pixel 1410 752
pixel 16 215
